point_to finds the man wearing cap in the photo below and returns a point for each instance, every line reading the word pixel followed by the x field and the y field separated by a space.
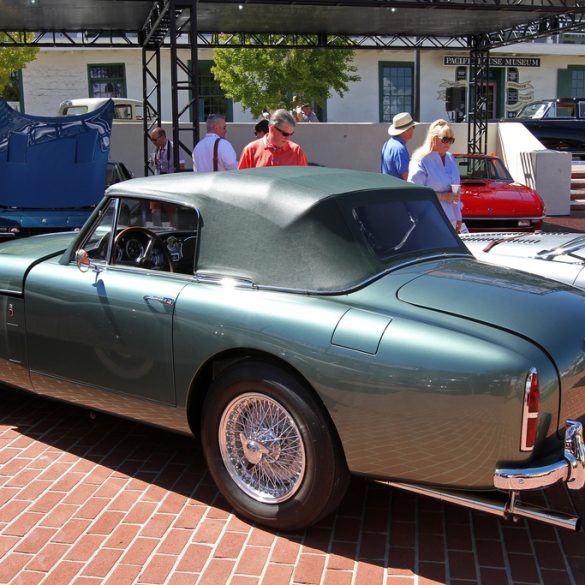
pixel 395 157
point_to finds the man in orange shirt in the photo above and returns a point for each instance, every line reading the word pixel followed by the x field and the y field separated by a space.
pixel 275 149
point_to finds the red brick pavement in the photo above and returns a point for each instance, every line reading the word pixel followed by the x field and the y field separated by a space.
pixel 102 500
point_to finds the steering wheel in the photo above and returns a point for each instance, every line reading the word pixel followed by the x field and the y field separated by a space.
pixel 145 244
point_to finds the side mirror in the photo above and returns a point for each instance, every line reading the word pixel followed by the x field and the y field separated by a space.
pixel 82 260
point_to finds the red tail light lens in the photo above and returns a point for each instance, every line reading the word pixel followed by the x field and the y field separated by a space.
pixel 530 411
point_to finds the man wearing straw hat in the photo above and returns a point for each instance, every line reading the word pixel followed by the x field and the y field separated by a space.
pixel 395 157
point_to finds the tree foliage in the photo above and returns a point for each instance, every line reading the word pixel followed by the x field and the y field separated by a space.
pixel 13 58
pixel 270 78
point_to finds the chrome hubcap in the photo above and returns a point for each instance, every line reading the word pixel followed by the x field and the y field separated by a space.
pixel 261 447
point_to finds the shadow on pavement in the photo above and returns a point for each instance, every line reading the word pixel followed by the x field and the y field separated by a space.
pixel 119 475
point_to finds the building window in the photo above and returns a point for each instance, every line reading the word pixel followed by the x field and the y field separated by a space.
pixel 396 89
pixel 577 82
pixel 107 80
pixel 212 99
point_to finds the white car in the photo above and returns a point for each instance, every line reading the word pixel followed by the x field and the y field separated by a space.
pixel 560 256
pixel 124 108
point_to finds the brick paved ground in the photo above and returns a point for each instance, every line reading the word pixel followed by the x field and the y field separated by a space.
pixel 101 500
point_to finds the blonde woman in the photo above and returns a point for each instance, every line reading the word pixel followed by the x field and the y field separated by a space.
pixel 432 165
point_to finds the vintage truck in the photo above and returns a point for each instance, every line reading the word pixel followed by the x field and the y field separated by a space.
pixel 125 109
pixel 558 123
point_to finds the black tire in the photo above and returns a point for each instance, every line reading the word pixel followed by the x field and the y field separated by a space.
pixel 287 438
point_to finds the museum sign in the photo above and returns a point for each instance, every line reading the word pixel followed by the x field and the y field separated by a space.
pixel 496 61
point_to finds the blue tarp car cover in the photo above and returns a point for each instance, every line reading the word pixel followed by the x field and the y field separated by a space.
pixel 53 163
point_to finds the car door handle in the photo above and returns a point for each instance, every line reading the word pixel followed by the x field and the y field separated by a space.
pixel 163 300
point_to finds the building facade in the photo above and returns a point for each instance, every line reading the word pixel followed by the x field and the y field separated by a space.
pixel 518 75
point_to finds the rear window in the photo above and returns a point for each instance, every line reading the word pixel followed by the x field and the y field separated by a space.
pixel 393 229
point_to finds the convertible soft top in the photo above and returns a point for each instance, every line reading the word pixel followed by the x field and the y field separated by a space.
pixel 288 227
pixel 282 193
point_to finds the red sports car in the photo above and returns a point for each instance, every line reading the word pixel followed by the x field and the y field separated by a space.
pixel 492 201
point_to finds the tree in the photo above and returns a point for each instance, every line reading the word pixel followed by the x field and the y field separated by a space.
pixel 271 78
pixel 13 58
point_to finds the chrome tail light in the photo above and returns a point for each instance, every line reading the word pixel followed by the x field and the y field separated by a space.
pixel 530 411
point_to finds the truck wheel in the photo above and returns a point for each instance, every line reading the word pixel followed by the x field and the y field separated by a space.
pixel 270 449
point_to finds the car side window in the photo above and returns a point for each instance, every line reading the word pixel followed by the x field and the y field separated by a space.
pixel 149 234
pixel 566 110
pixel 97 242
pixel 122 112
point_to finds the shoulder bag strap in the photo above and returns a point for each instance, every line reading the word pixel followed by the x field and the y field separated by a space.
pixel 215 148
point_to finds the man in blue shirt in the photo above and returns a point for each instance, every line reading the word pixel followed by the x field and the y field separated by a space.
pixel 395 157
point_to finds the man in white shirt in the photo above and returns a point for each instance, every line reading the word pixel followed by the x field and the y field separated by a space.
pixel 214 152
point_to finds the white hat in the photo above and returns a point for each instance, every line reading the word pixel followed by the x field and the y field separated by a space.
pixel 401 123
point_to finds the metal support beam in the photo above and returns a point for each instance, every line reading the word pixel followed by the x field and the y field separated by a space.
pixel 184 78
pixel 416 106
pixel 165 25
pixel 477 124
pixel 155 33
pixel 151 97
pixel 174 84
pixel 194 73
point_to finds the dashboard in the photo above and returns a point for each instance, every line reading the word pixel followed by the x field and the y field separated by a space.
pixel 156 250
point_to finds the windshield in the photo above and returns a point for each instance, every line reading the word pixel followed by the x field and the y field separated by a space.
pixel 394 229
pixel 482 168
pixel 534 110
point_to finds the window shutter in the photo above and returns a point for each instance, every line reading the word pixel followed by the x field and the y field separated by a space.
pixel 564 83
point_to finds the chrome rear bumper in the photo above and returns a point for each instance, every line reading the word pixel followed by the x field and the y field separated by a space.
pixel 571 469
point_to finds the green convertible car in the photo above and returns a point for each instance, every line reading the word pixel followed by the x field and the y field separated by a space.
pixel 306 323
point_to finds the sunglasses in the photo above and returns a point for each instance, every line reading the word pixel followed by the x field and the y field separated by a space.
pixel 285 134
pixel 447 140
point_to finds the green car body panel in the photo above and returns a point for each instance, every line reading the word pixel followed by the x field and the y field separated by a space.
pixel 418 355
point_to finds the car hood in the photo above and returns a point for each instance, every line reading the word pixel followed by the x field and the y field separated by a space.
pixel 542 245
pixel 499 198
pixel 56 162
pixel 16 256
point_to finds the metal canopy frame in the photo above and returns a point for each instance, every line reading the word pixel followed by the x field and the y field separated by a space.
pixel 357 24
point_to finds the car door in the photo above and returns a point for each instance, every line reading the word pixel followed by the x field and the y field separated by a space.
pixel 109 327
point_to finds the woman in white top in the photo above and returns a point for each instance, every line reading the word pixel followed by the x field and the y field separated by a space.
pixel 432 165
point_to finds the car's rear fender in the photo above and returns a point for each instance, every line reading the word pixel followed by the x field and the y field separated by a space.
pixel 375 393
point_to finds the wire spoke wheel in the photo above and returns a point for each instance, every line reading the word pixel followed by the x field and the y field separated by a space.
pixel 270 446
pixel 262 448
